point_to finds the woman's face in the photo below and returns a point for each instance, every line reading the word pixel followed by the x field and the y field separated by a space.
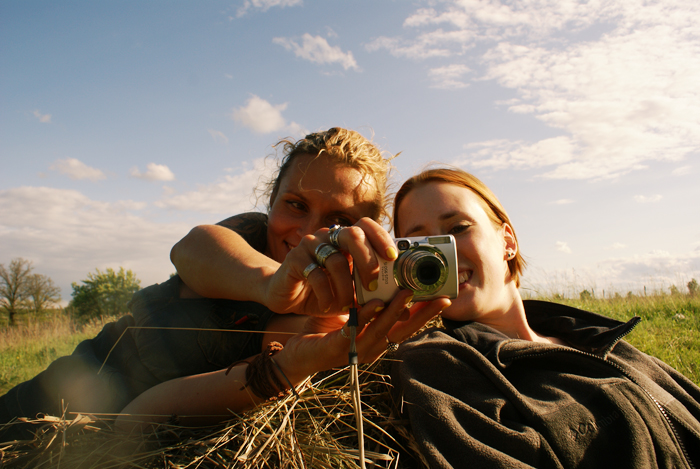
pixel 315 193
pixel 441 208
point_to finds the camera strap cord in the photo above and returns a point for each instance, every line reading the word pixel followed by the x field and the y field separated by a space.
pixel 355 383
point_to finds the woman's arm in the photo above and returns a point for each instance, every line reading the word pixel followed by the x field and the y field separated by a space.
pixel 211 397
pixel 216 262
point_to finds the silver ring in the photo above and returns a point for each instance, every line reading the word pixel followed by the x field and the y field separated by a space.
pixel 324 251
pixel 333 234
pixel 391 347
pixel 343 333
pixel 310 268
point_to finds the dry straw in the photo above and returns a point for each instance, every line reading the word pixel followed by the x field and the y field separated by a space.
pixel 315 430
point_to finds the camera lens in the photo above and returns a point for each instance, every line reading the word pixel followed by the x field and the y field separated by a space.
pixel 428 271
pixel 421 269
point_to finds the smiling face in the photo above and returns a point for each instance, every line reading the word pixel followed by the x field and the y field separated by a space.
pixel 485 284
pixel 315 193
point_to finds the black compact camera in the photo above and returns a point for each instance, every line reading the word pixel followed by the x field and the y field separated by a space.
pixel 427 266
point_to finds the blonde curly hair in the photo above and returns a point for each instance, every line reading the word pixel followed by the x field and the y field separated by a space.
pixel 345 147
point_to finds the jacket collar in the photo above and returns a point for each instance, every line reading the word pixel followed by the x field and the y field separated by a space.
pixel 583 330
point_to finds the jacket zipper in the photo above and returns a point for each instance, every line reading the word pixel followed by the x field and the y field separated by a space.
pixel 658 405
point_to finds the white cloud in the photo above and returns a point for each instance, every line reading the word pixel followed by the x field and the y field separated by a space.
pixel 449 77
pixel 682 171
pixel 317 50
pixel 230 195
pixel 502 154
pixel 154 172
pixel 217 135
pixel 563 247
pixel 429 45
pixel 262 117
pixel 643 199
pixel 76 169
pixel 624 96
pixel 265 5
pixel 43 118
pixel 563 202
pixel 67 235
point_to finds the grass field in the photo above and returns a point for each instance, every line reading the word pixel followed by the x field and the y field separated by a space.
pixel 670 330
pixel 29 347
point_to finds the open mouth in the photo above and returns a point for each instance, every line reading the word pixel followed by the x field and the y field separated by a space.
pixel 464 276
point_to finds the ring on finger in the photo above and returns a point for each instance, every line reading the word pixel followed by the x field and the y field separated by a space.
pixel 343 333
pixel 391 347
pixel 323 252
pixel 310 268
pixel 333 234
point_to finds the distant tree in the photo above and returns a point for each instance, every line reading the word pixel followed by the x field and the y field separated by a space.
pixel 674 290
pixel 693 287
pixel 104 293
pixel 586 295
pixel 13 286
pixel 42 293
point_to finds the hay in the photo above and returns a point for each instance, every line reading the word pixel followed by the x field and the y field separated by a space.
pixel 315 430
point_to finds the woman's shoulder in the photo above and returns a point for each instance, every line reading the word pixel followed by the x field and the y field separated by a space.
pixel 252 226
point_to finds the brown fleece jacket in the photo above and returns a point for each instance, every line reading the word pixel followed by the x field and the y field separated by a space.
pixel 477 398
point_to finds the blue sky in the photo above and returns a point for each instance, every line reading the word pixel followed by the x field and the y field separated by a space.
pixel 123 124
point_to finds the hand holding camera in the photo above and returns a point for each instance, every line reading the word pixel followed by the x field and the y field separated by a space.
pixel 425 265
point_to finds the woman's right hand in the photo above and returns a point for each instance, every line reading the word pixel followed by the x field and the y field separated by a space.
pixel 329 290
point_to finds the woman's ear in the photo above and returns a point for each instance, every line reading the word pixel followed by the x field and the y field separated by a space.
pixel 511 245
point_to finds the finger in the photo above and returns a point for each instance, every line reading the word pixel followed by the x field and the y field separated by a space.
pixel 379 238
pixel 332 282
pixel 368 244
pixel 381 323
pixel 420 314
pixel 368 312
pixel 372 340
pixel 340 277
pixel 318 282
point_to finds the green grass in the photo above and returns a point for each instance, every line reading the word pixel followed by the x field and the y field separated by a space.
pixel 29 347
pixel 669 330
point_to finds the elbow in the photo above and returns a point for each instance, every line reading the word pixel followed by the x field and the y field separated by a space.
pixel 182 251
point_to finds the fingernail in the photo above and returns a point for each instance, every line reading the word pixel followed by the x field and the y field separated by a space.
pixel 408 300
pixel 443 309
pixel 378 309
pixel 391 253
pixel 327 309
pixel 373 285
pixel 347 308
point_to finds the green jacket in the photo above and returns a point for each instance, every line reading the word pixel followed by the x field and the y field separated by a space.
pixel 477 398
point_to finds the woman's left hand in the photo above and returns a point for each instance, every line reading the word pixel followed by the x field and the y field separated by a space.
pixel 322 345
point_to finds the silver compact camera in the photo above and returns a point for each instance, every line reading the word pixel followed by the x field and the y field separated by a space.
pixel 427 266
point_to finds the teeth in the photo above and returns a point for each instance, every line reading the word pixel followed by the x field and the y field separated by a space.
pixel 464 276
